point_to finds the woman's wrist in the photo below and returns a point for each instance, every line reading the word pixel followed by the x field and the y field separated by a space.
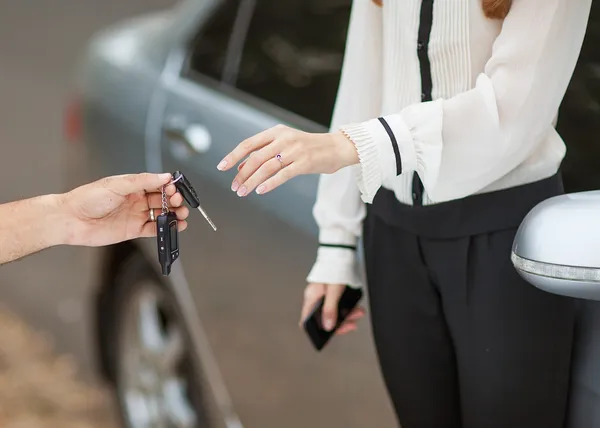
pixel 346 149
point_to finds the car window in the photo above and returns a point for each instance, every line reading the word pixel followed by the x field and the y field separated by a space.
pixel 293 55
pixel 579 119
pixel 208 50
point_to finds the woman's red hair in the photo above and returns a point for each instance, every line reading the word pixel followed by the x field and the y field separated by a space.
pixel 495 9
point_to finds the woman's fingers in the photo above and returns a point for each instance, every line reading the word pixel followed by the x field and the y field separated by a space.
pixel 312 294
pixel 249 145
pixel 346 328
pixel 266 170
pixel 258 161
pixel 350 323
pixel 279 178
pixel 330 307
pixel 356 314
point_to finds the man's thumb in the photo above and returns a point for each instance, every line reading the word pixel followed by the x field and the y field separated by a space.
pixel 132 183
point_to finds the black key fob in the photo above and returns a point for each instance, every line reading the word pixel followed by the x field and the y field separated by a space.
pixel 186 189
pixel 188 192
pixel 167 241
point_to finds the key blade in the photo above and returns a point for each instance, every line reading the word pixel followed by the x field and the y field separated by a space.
pixel 207 218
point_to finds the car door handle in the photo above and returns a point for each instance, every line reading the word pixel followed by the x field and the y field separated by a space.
pixel 195 137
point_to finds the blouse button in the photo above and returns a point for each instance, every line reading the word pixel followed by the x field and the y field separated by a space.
pixel 419 46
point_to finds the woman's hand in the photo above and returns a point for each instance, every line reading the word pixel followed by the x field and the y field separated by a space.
pixel 281 153
pixel 116 208
pixel 332 293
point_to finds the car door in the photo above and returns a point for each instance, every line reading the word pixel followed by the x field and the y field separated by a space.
pixel 252 65
pixel 579 125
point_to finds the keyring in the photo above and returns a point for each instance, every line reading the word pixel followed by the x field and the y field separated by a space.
pixel 175 181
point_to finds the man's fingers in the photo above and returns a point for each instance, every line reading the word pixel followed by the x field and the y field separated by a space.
pixel 155 200
pixel 131 183
pixel 330 308
pixel 170 190
pixel 182 213
pixel 176 200
pixel 248 146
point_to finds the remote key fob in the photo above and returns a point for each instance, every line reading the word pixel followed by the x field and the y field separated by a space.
pixel 167 241
pixel 189 194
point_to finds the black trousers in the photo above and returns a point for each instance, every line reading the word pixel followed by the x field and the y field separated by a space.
pixel 462 340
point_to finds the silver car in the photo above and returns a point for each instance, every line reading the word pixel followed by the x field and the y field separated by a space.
pixel 217 342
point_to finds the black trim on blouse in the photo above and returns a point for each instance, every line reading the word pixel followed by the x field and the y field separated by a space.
pixel 394 145
pixel 342 246
pixel 425 24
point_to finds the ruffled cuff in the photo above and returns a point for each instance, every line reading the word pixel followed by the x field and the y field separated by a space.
pixel 400 143
pixel 336 266
pixel 424 123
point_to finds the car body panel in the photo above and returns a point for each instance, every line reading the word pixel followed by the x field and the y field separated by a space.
pixel 241 287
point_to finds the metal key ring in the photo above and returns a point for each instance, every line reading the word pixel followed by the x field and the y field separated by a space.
pixel 175 181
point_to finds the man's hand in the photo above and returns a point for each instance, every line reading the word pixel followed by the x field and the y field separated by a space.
pixel 116 208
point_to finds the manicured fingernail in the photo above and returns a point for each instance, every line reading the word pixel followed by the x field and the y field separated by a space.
pixel 328 324
pixel 234 186
pixel 222 165
pixel 242 191
pixel 261 189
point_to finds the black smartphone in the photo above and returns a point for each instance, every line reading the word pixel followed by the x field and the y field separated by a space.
pixel 313 323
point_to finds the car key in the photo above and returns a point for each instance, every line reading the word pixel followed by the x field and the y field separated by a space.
pixel 189 194
pixel 167 241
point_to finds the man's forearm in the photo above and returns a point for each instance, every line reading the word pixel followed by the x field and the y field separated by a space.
pixel 31 225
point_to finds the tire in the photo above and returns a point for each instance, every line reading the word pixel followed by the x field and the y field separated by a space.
pixel 152 357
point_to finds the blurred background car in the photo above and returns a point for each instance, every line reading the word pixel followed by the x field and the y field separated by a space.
pixel 218 340
pixel 177 91
pixel 216 343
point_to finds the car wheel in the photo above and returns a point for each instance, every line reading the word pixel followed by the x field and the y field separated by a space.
pixel 154 365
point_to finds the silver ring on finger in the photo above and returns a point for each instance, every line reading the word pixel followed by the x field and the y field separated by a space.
pixel 280 159
pixel 151 215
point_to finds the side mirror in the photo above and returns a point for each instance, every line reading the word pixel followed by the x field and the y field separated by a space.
pixel 557 246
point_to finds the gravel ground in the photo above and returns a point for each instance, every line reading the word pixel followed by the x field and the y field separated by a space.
pixel 41 389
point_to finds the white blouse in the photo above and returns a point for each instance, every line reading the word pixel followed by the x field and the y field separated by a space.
pixel 436 88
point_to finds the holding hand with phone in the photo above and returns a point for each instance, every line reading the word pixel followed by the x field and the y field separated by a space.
pixel 330 309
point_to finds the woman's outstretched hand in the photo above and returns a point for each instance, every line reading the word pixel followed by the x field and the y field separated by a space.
pixel 278 154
